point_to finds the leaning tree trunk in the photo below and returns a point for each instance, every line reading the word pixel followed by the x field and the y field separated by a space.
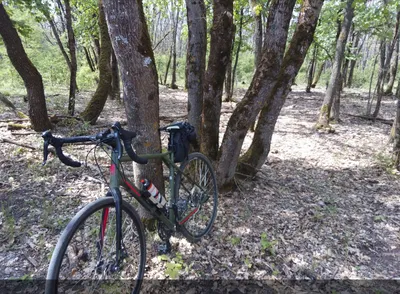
pixel 261 86
pixel 72 53
pixel 256 155
pixel 196 60
pixel 323 121
pixel 220 50
pixel 132 47
pixel 96 104
pixel 353 61
pixel 114 93
pixel 28 72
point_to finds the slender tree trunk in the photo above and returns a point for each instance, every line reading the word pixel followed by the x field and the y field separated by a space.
pixel 57 36
pixel 370 98
pixel 256 155
pixel 196 60
pixel 72 53
pixel 258 31
pixel 173 82
pixel 385 69
pixel 336 99
pixel 28 72
pixel 264 80
pixel 89 59
pixel 353 61
pixel 114 93
pixel 239 45
pixel 220 50
pixel 229 72
pixel 132 46
pixel 323 121
pixel 96 104
pixel 396 145
pixel 393 71
pixel 96 51
pixel 311 69
pixel 317 75
pixel 168 65
pixel 398 87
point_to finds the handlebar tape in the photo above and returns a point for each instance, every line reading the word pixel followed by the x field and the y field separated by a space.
pixel 64 159
pixel 127 137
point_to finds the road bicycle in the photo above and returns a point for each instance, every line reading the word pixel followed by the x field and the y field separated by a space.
pixel 103 247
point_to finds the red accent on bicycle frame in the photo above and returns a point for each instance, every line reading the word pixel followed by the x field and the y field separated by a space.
pixel 103 227
pixel 112 169
pixel 133 189
pixel 189 216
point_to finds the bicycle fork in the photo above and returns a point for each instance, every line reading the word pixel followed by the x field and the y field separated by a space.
pixel 116 194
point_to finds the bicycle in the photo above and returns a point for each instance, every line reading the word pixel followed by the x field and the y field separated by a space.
pixel 104 244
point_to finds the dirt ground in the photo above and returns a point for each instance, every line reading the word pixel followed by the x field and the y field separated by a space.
pixel 324 206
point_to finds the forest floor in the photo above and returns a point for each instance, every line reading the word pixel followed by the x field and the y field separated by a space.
pixel 324 206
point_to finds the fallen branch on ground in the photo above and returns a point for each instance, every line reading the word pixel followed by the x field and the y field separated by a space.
pixel 382 120
pixel 18 144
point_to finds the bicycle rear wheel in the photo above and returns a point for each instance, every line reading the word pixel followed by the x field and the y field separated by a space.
pixel 197 197
pixel 85 256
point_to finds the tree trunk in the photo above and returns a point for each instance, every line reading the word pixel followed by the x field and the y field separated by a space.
pixel 264 80
pixel 196 60
pixel 336 99
pixel 239 45
pixel 28 72
pixel 353 61
pixel 89 59
pixel 132 46
pixel 168 65
pixel 386 64
pixel 115 89
pixel 173 81
pixel 96 104
pixel 323 121
pixel 229 72
pixel 72 53
pixel 396 145
pixel 393 71
pixel 57 36
pixel 317 76
pixel 220 50
pixel 311 69
pixel 255 157
pixel 256 12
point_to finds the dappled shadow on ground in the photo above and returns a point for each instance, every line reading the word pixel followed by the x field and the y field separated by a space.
pixel 323 206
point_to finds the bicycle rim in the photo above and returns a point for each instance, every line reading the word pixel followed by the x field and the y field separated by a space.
pixel 84 260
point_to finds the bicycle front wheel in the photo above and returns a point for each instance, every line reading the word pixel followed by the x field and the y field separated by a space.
pixel 197 197
pixel 84 260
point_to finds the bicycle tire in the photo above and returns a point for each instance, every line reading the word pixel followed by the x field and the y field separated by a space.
pixel 190 199
pixel 75 228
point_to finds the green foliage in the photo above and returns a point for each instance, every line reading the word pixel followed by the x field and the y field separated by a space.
pixel 235 240
pixel 267 245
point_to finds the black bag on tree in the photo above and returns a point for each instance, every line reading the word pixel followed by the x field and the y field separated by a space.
pixel 183 134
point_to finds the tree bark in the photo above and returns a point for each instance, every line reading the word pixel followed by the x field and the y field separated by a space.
pixel 28 72
pixel 317 76
pixel 396 144
pixel 132 47
pixel 393 71
pixel 264 80
pixel 258 32
pixel 311 69
pixel 256 155
pixel 89 59
pixel 323 121
pixel 72 53
pixel 174 34
pixel 239 45
pixel 96 104
pixel 386 63
pixel 196 60
pixel 353 61
pixel 168 65
pixel 115 88
pixel 220 50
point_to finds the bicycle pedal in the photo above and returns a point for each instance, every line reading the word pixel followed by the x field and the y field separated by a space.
pixel 164 248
